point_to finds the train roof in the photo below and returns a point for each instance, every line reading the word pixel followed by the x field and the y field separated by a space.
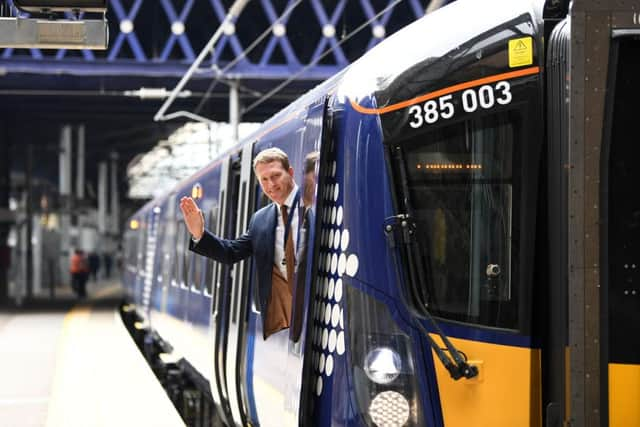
pixel 377 69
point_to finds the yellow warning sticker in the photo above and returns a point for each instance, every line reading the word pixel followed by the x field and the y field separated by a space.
pixel 520 52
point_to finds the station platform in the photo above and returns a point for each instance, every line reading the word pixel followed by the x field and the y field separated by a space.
pixel 73 363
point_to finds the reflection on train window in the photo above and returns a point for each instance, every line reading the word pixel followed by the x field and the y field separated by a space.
pixel 183 238
pixel 460 185
pixel 196 278
pixel 175 281
pixel 168 249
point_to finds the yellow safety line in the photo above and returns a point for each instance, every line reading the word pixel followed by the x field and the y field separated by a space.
pixel 74 322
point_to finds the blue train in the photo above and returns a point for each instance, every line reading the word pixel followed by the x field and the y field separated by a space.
pixel 470 260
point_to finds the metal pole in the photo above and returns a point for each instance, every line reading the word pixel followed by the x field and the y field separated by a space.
pixel 234 110
pixel 102 199
pixel 29 219
pixel 64 160
pixel 234 11
pixel 80 164
pixel 5 188
pixel 115 202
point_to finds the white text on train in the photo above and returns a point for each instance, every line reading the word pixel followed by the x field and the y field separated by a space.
pixel 443 107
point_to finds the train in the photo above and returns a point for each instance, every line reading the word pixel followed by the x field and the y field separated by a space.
pixel 470 257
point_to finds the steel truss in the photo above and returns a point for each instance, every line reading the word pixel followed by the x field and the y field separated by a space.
pixel 162 37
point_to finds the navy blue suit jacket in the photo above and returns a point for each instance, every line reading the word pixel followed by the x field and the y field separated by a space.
pixel 258 240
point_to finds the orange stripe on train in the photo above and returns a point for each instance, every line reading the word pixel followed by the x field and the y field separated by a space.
pixel 445 91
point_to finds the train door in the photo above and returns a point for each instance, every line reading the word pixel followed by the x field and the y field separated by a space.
pixel 239 195
pixel 620 246
pixel 150 257
pixel 169 227
pixel 297 389
pixel 222 280
pixel 276 366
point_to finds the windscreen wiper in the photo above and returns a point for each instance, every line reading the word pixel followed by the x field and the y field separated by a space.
pixel 403 226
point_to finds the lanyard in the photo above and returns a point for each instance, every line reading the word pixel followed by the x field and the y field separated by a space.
pixel 290 214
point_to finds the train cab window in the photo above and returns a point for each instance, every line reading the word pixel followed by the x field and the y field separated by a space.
pixel 459 181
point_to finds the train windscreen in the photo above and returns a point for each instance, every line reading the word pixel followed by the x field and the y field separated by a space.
pixel 459 192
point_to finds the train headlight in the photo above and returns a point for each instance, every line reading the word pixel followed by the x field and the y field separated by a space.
pixel 383 369
pixel 382 365
pixel 389 409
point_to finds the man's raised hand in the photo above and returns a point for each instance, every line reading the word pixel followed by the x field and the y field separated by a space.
pixel 193 218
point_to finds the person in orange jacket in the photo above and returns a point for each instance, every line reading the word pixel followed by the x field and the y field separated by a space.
pixel 79 269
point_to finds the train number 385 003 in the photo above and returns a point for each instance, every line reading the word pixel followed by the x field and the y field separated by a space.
pixel 443 107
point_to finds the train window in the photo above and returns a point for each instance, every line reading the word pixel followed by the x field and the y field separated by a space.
pixel 623 225
pixel 196 278
pixel 167 248
pixel 460 192
pixel 183 239
pixel 208 272
pixel 177 265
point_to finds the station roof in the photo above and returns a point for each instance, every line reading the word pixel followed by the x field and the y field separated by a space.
pixel 152 45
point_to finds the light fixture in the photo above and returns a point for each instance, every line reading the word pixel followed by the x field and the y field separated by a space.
pixel 389 409
pixel 382 365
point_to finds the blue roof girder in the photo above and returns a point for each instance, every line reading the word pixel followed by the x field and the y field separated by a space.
pixel 123 68
pixel 127 16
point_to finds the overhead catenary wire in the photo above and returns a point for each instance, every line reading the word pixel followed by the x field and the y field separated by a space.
pixel 234 11
pixel 244 53
pixel 315 61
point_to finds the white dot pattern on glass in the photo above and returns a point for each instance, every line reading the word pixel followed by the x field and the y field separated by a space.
pixel 329 365
pixel 334 261
pixel 342 264
pixel 340 343
pixel 337 293
pixel 336 240
pixel 335 315
pixel 332 340
pixel 345 240
pixel 352 265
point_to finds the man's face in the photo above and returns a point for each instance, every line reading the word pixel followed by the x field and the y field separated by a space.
pixel 275 180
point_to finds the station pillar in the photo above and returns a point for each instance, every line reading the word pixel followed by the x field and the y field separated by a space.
pixel 102 199
pixel 5 213
pixel 115 196
pixel 65 202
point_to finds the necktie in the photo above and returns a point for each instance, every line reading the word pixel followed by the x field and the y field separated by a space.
pixel 288 248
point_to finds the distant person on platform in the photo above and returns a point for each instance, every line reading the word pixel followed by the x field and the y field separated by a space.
pixel 269 229
pixel 79 269
pixel 94 265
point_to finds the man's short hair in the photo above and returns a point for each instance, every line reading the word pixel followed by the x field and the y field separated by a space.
pixel 310 162
pixel 272 154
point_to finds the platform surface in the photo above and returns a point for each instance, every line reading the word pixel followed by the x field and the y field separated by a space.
pixel 77 367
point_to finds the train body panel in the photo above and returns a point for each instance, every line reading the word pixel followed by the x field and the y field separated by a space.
pixel 431 254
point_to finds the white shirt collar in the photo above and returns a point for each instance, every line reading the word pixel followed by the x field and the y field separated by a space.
pixel 289 201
